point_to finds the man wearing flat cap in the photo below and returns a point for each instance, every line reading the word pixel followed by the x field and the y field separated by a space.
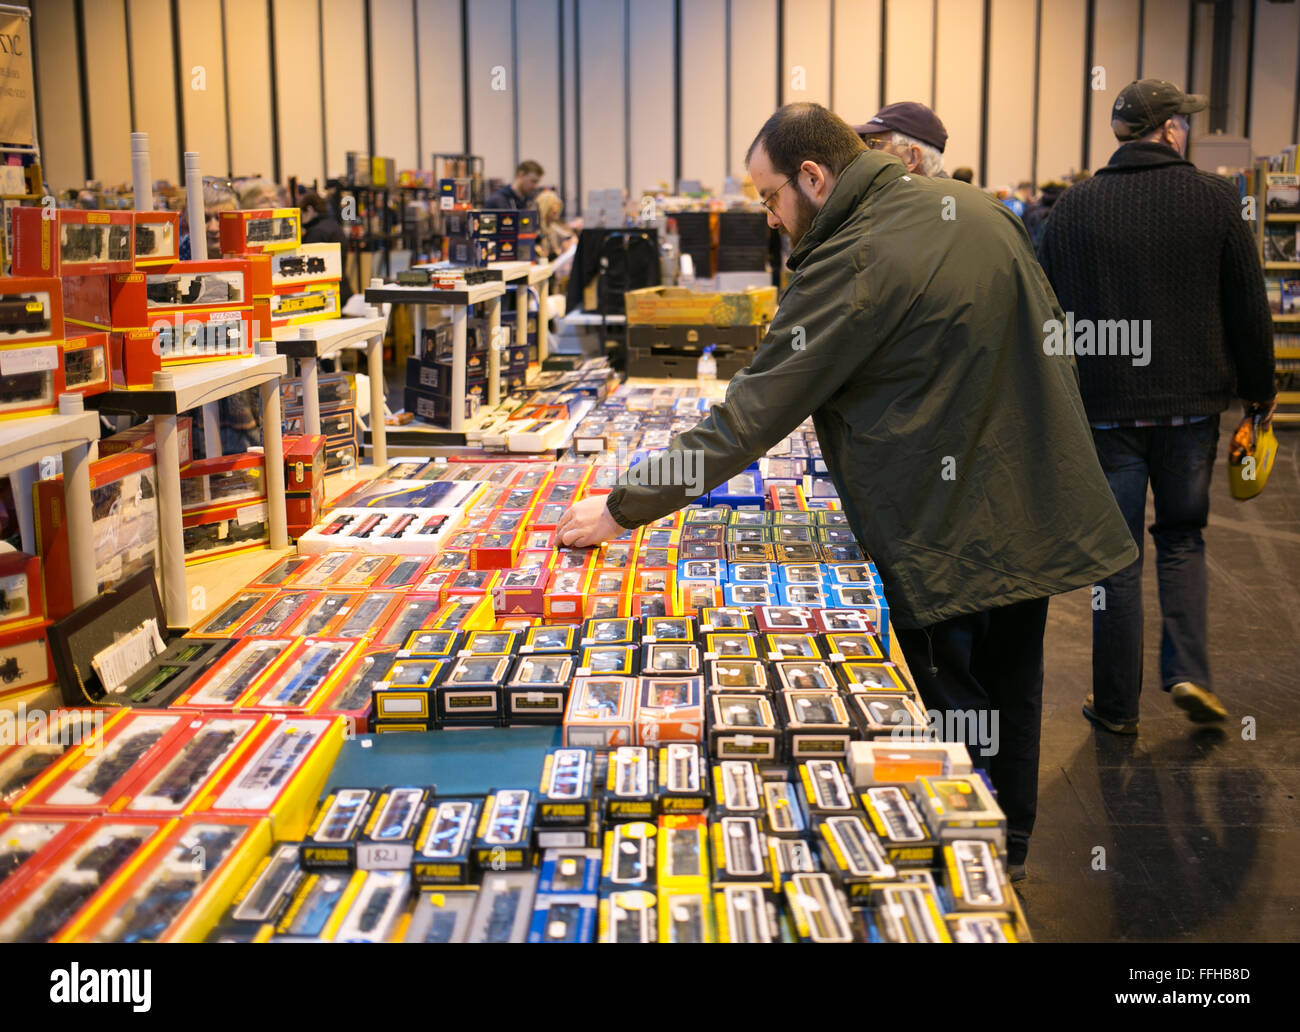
pixel 1155 245
pixel 912 133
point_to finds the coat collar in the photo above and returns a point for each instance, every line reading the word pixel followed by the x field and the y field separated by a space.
pixel 1134 157
pixel 868 172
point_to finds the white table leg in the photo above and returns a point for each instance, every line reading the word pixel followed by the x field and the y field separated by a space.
pixel 170 536
pixel 81 555
pixel 310 395
pixel 273 448
pixel 212 429
pixel 521 314
pixel 543 296
pixel 375 370
pixel 459 317
pixel 494 351
pixel 417 330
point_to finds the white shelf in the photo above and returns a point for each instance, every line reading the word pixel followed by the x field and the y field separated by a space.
pixel 24 441
pixel 322 339
pixel 397 294
pixel 181 388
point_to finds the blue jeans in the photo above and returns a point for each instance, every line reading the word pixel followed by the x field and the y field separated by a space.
pixel 1177 461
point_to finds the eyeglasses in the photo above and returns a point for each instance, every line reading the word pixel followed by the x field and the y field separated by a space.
pixel 876 142
pixel 772 196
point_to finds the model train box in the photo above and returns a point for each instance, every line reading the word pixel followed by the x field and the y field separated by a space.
pixel 124 526
pixel 86 368
pixel 310 263
pixel 300 303
pixel 260 230
pixel 31 309
pixel 157 238
pixel 31 378
pixel 141 438
pixel 72 243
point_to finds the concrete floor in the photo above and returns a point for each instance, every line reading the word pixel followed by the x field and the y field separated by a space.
pixel 1186 832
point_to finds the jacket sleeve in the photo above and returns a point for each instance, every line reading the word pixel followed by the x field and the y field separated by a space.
pixel 1247 323
pixel 815 344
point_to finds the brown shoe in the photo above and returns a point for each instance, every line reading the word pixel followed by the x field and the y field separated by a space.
pixel 1201 705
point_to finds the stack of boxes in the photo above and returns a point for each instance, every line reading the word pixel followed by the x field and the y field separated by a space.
pixel 304 481
pixel 338 417
pixel 669 327
pixel 299 282
pixel 24 654
pixel 428 377
pixel 480 236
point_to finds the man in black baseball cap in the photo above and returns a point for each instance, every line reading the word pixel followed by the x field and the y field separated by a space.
pixel 1154 240
pixel 1144 106
pixel 911 132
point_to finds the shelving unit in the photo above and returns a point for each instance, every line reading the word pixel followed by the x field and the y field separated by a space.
pixel 23 444
pixel 1288 400
pixel 459 301
pixel 178 390
pixel 315 341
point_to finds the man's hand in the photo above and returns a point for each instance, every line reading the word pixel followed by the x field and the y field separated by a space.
pixel 586 523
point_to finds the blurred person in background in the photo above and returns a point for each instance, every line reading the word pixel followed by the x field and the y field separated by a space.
pixel 518 194
pixel 1037 210
pixel 964 175
pixel 218 196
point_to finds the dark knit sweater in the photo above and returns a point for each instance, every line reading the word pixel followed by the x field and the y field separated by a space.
pixel 1151 237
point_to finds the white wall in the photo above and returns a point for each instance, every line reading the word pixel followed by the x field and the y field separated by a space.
pixel 616 124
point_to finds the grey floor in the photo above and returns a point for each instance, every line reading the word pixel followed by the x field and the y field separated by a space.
pixel 1183 833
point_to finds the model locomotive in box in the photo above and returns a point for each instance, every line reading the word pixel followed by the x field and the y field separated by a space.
pixel 72 243
pixel 260 230
pixel 31 309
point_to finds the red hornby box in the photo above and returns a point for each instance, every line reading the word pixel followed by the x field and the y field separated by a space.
pixel 72 243
pixel 94 775
pixel 141 438
pixel 21 598
pixel 124 525
pixel 31 309
pixel 223 480
pixel 25 660
pixel 259 230
pixel 86 363
pixel 225 530
pixel 157 238
pixel 31 378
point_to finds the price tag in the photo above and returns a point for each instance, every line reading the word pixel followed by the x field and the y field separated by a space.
pixel 28 360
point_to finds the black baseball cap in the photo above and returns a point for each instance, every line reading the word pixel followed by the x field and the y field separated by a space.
pixel 1145 105
pixel 909 118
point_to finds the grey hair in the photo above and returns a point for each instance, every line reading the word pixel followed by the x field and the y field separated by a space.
pixel 931 159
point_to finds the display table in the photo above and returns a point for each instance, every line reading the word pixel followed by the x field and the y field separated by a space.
pixel 178 390
pixel 310 343
pixel 459 301
pixel 23 444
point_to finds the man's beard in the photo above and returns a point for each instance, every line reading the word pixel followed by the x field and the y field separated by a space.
pixel 805 212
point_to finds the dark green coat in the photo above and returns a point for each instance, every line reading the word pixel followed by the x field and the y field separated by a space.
pixel 912 331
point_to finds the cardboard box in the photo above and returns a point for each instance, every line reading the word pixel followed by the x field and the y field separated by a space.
pixel 86 368
pixel 31 309
pixel 157 238
pixel 301 303
pixel 310 263
pixel 223 480
pixel 304 463
pixel 224 530
pixel 260 230
pixel 141 438
pixel 31 379
pixel 72 243
pixel 124 525
pixel 660 306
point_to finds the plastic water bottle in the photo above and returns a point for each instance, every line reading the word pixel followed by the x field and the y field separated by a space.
pixel 706 372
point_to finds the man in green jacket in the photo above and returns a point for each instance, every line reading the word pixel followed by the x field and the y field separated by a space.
pixel 913 330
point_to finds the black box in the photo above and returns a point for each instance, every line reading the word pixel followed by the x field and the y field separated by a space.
pixel 442 847
pixel 78 637
pixel 675 350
